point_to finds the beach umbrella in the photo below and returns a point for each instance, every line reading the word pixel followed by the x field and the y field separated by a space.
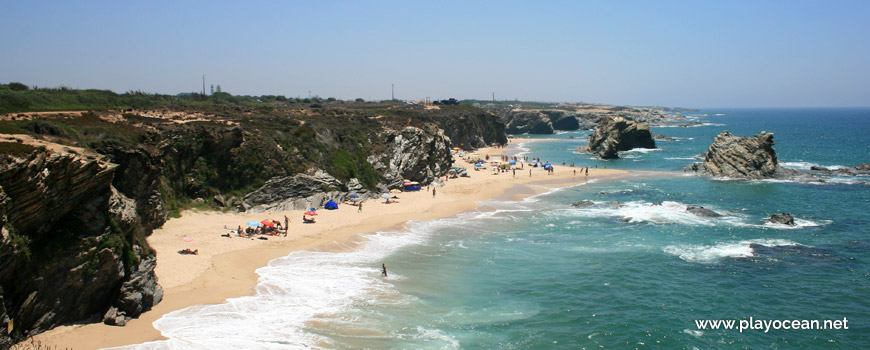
pixel 512 162
pixel 253 223
pixel 187 239
pixel 310 213
pixel 267 223
pixel 354 195
pixel 386 196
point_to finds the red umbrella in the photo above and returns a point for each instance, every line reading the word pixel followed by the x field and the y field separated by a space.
pixel 310 213
pixel 267 223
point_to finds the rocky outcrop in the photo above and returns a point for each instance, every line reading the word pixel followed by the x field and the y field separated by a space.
pixel 741 157
pixel 297 192
pixel 783 219
pixel 473 129
pixel 660 137
pixel 583 204
pixel 71 245
pixel 527 122
pixel 562 120
pixel 618 134
pixel 702 212
pixel 416 154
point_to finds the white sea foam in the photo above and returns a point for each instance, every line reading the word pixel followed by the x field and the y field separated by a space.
pixel 799 165
pixel 708 254
pixel 668 212
pixel 694 332
pixel 798 224
pixel 292 291
pixel 643 150
pixel 683 158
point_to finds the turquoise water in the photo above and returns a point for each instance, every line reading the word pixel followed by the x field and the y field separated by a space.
pixel 540 274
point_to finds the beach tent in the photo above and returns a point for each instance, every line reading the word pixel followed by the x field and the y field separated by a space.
pixel 512 162
pixel 411 186
pixel 330 205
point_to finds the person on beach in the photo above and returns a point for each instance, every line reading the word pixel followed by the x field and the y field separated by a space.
pixel 286 225
pixel 587 171
pixel 239 231
pixel 530 172
pixel 384 270
pixel 359 208
pixel 433 193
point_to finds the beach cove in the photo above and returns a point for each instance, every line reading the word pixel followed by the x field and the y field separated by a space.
pixel 225 267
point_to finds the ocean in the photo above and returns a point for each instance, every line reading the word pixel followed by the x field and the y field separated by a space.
pixel 540 274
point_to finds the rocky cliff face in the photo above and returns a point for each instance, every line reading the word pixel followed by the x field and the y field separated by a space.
pixel 470 130
pixel 616 134
pixel 416 154
pixel 522 122
pixel 72 247
pixel 741 157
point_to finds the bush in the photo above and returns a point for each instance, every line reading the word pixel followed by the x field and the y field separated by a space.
pixel 15 86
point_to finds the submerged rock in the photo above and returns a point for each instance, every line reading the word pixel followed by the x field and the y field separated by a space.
pixel 702 212
pixel 741 157
pixel 784 219
pixel 615 134
pixel 583 204
pixel 660 137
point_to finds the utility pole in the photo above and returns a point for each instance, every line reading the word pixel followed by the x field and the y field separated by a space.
pixel 493 97
pixel 203 86
pixel 393 92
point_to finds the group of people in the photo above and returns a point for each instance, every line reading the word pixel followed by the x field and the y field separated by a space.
pixel 269 230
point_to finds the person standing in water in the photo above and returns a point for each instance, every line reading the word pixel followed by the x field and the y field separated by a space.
pixel 384 270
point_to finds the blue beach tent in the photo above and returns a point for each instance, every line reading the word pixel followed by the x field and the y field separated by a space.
pixel 330 205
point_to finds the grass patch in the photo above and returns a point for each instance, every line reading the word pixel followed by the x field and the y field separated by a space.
pixel 16 149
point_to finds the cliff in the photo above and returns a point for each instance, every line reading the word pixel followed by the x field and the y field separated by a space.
pixel 72 246
pixel 77 204
pixel 526 121
pixel 741 157
pixel 616 134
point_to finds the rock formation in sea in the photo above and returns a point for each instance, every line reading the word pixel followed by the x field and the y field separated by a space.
pixel 782 218
pixel 618 134
pixel 702 212
pixel 741 157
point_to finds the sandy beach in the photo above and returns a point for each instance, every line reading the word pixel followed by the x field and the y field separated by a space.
pixel 225 267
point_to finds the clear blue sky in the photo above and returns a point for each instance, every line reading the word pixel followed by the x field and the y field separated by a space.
pixel 672 53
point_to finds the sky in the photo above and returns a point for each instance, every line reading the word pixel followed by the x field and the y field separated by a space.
pixel 667 53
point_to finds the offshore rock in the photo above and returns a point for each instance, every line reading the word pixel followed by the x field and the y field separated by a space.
pixel 583 204
pixel 784 219
pixel 616 134
pixel 702 212
pixel 741 157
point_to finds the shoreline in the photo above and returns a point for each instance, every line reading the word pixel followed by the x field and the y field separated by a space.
pixel 226 268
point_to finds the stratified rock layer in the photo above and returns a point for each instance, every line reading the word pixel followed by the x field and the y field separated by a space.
pixel 741 157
